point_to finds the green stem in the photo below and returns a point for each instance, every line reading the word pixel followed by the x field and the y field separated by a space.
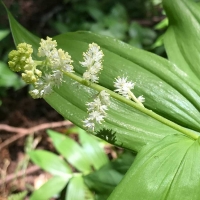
pixel 135 99
pixel 135 105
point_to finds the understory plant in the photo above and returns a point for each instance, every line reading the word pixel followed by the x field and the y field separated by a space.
pixel 129 97
pixel 85 173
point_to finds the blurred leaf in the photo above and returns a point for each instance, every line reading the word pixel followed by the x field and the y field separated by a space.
pixel 95 12
pixel 8 78
pixel 158 42
pixel 156 2
pixel 168 169
pixel 103 181
pixel 76 189
pixel 135 31
pixel 50 188
pixel 162 24
pixel 18 196
pixel 119 12
pixel 51 163
pixel 71 151
pixel 92 149
pixel 60 27
pixel 3 34
pixel 140 36
pixel 148 34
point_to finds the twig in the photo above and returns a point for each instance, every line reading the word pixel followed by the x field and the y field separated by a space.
pixel 21 173
pixel 21 132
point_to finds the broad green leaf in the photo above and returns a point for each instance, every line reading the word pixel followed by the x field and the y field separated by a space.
pixel 151 73
pixel 76 189
pixel 165 92
pixel 182 40
pixel 71 151
pixel 165 170
pixel 95 154
pixel 50 188
pixel 51 163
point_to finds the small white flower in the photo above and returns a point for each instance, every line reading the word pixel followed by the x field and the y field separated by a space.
pixel 57 77
pixel 97 110
pixel 105 97
pixel 94 105
pixel 43 86
pixel 94 78
pixel 89 124
pixel 61 60
pixel 46 90
pixel 46 46
pixel 141 99
pixel 93 62
pixel 96 116
pixel 123 86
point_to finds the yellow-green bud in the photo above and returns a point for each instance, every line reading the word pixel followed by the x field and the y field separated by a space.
pixel 19 57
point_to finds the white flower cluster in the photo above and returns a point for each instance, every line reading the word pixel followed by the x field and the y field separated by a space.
pixel 93 62
pixel 97 110
pixel 124 87
pixel 57 61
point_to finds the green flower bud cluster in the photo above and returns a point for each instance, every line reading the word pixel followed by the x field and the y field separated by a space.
pixel 19 57
pixel 31 74
pixel 21 60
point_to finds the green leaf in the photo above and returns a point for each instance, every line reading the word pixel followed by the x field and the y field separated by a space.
pixel 182 40
pixel 152 74
pixel 9 78
pixel 18 196
pixel 3 34
pixel 51 163
pixel 71 151
pixel 105 180
pixel 76 189
pixel 50 188
pixel 20 34
pixel 95 154
pixel 168 170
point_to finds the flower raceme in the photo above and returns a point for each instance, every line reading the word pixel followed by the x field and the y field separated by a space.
pixel 48 72
pixel 93 62
pixel 97 110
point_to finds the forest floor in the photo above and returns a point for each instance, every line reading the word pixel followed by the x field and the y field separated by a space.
pixel 20 117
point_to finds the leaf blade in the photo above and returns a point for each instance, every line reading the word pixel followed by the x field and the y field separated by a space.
pixel 71 151
pixel 161 172
pixel 50 188
pixel 50 162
